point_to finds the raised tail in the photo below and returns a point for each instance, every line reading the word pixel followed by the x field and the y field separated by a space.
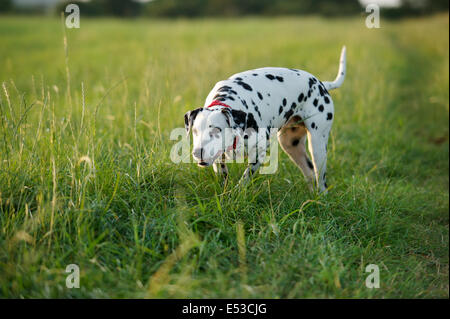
pixel 341 74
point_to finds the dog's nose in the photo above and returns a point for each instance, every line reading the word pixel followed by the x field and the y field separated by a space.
pixel 198 153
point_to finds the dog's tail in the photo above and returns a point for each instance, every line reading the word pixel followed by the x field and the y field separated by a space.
pixel 341 74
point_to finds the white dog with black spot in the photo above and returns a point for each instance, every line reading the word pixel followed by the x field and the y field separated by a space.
pixel 253 102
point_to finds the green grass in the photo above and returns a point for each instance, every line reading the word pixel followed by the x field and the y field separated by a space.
pixel 86 178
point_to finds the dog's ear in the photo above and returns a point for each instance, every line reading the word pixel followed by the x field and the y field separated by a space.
pixel 189 118
pixel 235 118
pixel 239 118
pixel 227 114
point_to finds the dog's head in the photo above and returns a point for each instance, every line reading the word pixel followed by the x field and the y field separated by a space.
pixel 213 132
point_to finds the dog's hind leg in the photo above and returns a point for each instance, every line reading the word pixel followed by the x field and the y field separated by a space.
pixel 292 139
pixel 317 143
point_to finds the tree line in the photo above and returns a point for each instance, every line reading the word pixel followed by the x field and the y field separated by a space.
pixel 232 8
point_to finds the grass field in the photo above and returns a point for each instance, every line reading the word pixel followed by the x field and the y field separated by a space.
pixel 86 178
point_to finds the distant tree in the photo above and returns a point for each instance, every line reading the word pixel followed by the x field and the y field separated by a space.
pixel 176 8
pixel 337 8
pixel 289 7
pixel 194 8
pixel 91 8
pixel 200 8
pixel 416 8
pixel 426 6
pixel 5 5
pixel 119 8
pixel 439 5
pixel 122 8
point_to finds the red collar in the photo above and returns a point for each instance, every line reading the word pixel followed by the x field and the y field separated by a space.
pixel 214 103
pixel 234 144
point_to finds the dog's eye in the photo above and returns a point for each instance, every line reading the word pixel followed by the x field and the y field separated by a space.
pixel 214 132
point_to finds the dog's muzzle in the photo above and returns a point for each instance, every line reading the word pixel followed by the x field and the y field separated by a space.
pixel 203 164
pixel 199 154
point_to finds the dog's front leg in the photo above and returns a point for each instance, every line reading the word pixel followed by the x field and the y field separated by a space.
pixel 249 171
pixel 256 158
pixel 220 168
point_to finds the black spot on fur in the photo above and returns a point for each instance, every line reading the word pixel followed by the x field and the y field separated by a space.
pixel 257 111
pixel 329 116
pixel 322 92
pixel 323 87
pixel 295 142
pixel 300 97
pixel 251 123
pixel 279 78
pixel 270 77
pixel 254 74
pixel 316 101
pixel 284 102
pixel 280 110
pixel 245 85
pixel 313 125
pixel 239 117
pixel 260 96
pixel 311 82
pixel 288 114
pixel 320 108
pixel 225 88
pixel 327 100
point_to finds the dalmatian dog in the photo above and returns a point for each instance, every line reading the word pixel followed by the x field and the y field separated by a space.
pixel 292 101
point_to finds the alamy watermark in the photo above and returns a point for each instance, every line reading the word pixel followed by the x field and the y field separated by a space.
pixel 373 19
pixel 73 17
pixel 373 279
pixel 73 279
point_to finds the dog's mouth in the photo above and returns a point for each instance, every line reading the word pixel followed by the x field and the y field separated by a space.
pixel 203 164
